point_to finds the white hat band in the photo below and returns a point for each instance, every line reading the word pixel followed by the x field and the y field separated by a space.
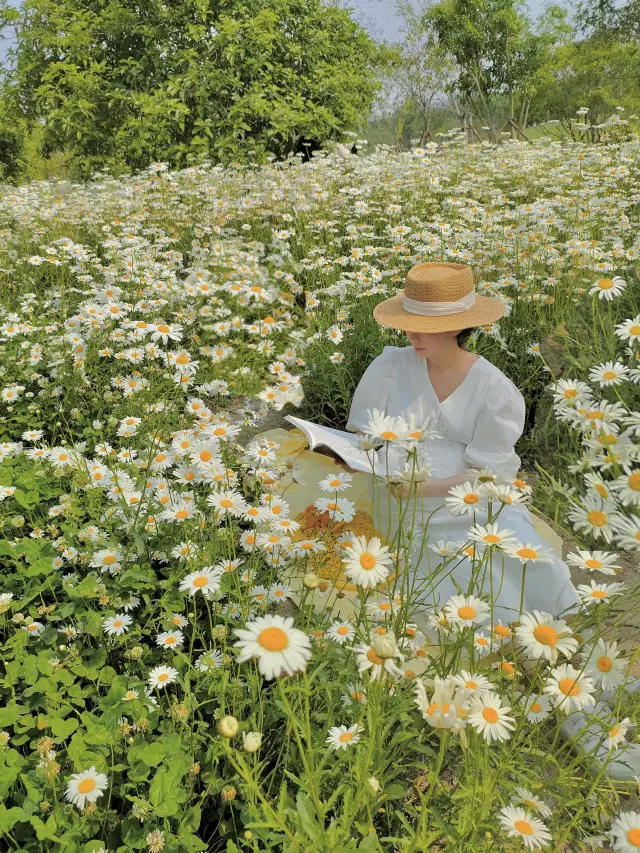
pixel 435 309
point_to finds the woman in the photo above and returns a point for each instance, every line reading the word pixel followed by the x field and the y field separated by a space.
pixel 479 414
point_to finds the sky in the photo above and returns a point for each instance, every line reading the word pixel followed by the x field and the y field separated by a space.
pixel 377 16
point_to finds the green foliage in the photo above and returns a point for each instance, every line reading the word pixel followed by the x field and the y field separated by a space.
pixel 120 85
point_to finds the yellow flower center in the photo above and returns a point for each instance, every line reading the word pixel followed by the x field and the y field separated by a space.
pixel 604 664
pixel 225 502
pixel 170 640
pixel 568 686
pixel 345 737
pixel 605 283
pixel 163 329
pixel 593 564
pixel 633 837
pixel 609 374
pixel 501 631
pixel 86 786
pixel 109 560
pixel 570 393
pixel 545 635
pixel 389 435
pixel 523 827
pixel 117 623
pixel 273 639
pixel 373 657
pixel 367 561
pixel 206 456
pixel 598 593
pixel 342 630
pixel 466 612
pixel 471 498
pixel 634 330
pixel 634 482
pixel 491 538
pixel 471 685
pixel 183 358
pixel 536 708
pixel 182 513
pixel 527 553
pixel 597 518
pixel 490 715
pixel 163 676
pixel 614 731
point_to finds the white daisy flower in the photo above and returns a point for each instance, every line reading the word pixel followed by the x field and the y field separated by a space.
pixel 594 561
pixel 568 689
pixel 170 639
pixel 205 580
pixel 625 832
pixel 279 648
pixel 447 707
pixel 538 708
pixel 336 482
pixel 368 562
pixel 603 664
pixel 526 798
pixel 489 717
pixel 341 632
pixel 491 536
pixel 543 636
pixel 465 498
pixel 161 676
pixel 117 624
pixel 466 610
pixel 608 288
pixel 597 593
pixel 518 823
pixel 341 737
pixel 86 787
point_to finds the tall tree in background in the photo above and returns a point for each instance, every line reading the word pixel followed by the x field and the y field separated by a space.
pixel 497 57
pixel 124 83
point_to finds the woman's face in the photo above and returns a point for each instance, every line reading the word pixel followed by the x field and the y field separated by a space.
pixel 431 343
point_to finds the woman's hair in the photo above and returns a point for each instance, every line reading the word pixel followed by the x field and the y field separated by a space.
pixel 463 336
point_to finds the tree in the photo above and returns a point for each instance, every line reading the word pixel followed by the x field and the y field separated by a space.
pixel 124 83
pixel 425 70
pixel 497 57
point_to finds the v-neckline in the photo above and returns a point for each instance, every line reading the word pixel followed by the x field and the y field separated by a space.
pixel 456 389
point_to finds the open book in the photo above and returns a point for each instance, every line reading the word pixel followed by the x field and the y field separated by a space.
pixel 344 445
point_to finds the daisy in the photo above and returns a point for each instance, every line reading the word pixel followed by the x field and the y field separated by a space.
pixel 490 718
pixel 339 509
pixel 526 798
pixel 86 787
pixel 538 709
pixel 519 824
pixel 464 499
pixel 379 610
pixel 206 581
pixel 368 562
pixel 448 705
pixel 228 503
pixel 597 593
pixel 603 664
pixel 106 560
pixel 33 629
pixel 629 330
pixel 341 737
pixel 627 488
pixel 608 374
pixel 160 676
pixel 209 660
pixel 543 636
pixel 446 549
pixel 491 536
pixel 341 632
pixel 569 689
pixel 279 592
pixel 625 832
pixel 570 391
pixel 336 482
pixel 472 681
pixel 280 648
pixel 594 516
pixel 628 533
pixel 618 734
pixel 367 659
pixel 170 639
pixel 528 553
pixel 386 427
pixel 482 644
pixel 355 693
pixel 594 561
pixel 466 610
pixel 163 332
pixel 607 288
pixel 117 624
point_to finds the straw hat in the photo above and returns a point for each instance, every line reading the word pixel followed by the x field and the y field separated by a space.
pixel 438 297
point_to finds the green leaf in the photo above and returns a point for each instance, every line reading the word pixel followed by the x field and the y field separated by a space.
pixel 64 727
pixel 395 791
pixel 9 817
pixel 151 753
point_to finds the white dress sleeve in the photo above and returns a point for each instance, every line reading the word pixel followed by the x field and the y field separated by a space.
pixel 370 392
pixel 498 427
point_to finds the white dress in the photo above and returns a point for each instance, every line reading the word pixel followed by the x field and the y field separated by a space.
pixel 480 423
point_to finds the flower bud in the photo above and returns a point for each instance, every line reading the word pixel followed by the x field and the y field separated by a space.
pixel 384 645
pixel 252 741
pixel 374 784
pixel 228 727
pixel 311 580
